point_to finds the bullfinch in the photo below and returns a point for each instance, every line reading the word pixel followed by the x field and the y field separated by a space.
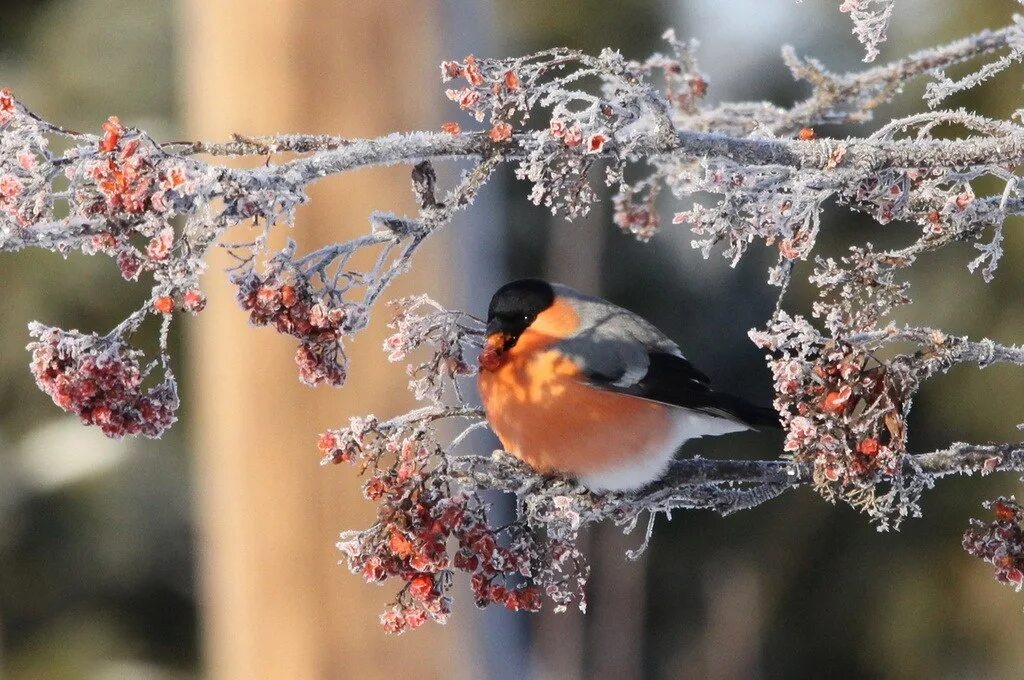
pixel 574 385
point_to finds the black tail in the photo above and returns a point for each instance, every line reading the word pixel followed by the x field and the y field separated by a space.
pixel 743 410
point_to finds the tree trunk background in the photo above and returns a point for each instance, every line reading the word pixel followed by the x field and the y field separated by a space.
pixel 275 602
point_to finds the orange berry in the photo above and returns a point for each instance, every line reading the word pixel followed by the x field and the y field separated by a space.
pixel 327 442
pixel 835 402
pixel 288 296
pixel 164 304
pixel 869 447
pixel 400 545
pixel 421 586
pixel 500 132
pixel 194 301
pixel 1004 511
pixel 112 130
pixel 511 81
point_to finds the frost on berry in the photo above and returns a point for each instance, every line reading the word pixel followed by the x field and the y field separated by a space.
pixel 100 380
pixel 844 414
pixel 1000 541
pixel 428 528
pixel 635 210
pixel 284 299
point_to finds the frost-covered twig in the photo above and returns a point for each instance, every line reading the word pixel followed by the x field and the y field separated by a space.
pixel 708 483
pixel 871 20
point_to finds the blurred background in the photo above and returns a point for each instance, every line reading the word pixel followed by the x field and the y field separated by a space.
pixel 210 553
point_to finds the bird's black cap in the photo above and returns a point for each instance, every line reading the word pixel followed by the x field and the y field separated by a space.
pixel 515 305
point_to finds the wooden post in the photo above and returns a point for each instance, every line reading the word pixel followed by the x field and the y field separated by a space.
pixel 275 602
pixel 609 644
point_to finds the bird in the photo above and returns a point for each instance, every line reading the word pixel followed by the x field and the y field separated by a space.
pixel 576 386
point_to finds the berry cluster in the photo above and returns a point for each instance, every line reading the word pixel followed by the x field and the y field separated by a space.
pixel 842 411
pixel 123 191
pixel 124 178
pixel 130 176
pixel 100 381
pixel 420 321
pixel 137 189
pixel 1001 541
pixel 418 518
pixel 560 156
pixel 635 211
pixel 284 298
pixel 23 182
pixel 490 87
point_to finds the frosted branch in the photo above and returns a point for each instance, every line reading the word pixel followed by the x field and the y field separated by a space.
pixel 739 174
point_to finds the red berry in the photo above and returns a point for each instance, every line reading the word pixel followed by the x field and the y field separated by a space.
pixel 500 132
pixel 164 304
pixel 400 545
pixel 194 301
pixel 1004 512
pixel 421 586
pixel 868 447
pixel 835 402
pixel 112 130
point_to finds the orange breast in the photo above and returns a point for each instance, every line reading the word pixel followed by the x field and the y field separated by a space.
pixel 543 413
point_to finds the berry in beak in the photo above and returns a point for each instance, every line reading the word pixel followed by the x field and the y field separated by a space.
pixel 493 354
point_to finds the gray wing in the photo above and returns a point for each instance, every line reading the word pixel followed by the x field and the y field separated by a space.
pixel 621 352
pixel 616 344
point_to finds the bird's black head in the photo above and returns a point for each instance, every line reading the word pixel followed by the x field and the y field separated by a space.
pixel 516 305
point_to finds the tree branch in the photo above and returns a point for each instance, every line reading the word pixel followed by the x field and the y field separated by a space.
pixel 706 483
pixel 820 154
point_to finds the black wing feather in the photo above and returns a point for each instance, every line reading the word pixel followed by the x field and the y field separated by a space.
pixel 673 380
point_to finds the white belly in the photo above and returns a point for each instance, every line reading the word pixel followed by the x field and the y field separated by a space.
pixel 650 465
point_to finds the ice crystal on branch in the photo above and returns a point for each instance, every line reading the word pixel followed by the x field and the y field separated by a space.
pixel 418 322
pixel 871 20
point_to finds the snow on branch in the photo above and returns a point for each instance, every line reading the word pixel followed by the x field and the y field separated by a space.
pixel 739 173
pixel 871 19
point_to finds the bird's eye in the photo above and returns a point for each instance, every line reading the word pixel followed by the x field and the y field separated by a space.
pixel 526 317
